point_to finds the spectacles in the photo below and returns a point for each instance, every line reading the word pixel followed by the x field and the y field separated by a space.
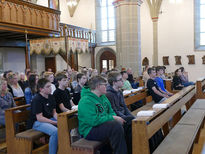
pixel 105 84
pixel 119 80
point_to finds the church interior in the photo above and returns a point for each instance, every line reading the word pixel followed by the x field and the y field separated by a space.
pixel 45 37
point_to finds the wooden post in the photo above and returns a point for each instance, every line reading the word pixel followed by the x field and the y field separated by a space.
pixel 27 52
pixel 66 45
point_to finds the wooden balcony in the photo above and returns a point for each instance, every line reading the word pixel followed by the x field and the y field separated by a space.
pixel 24 17
pixel 78 33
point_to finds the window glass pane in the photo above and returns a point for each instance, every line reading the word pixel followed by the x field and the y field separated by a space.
pixel 103 12
pixel 104 24
pixel 111 64
pixel 202 39
pixel 111 12
pixel 202 25
pixel 111 23
pixel 112 35
pixel 103 2
pixel 104 36
pixel 202 11
pixel 104 63
pixel 110 2
pixel 202 1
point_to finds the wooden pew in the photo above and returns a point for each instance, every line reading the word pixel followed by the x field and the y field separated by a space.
pixel 20 101
pixel 66 122
pixel 187 131
pixel 20 142
pixel 143 128
pixel 136 96
pixel 200 86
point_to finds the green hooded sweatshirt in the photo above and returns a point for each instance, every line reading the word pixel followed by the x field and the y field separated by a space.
pixel 93 111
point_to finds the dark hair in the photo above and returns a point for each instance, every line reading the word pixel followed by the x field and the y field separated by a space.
pixel 79 76
pixel 182 69
pixel 149 71
pixel 32 83
pixel 41 83
pixel 158 68
pixel 112 77
pixel 95 81
pixel 123 72
pixel 175 73
pixel 60 76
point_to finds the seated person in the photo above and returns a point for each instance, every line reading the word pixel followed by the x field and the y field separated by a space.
pixel 31 90
pixel 6 100
pixel 177 82
pixel 81 79
pixel 153 88
pixel 116 99
pixel 22 81
pixel 126 83
pixel 61 94
pixel 160 82
pixel 43 114
pixel 15 87
pixel 97 120
pixel 145 75
pixel 130 78
pixel 50 76
pixel 184 78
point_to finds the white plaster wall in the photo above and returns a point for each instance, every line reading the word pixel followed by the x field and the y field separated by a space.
pixel 84 15
pixel 84 60
pixel 175 36
pixel 146 33
pixel 40 61
pixel 60 63
pixel 43 3
pixel 13 59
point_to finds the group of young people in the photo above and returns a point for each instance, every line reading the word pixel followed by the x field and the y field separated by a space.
pixel 102 112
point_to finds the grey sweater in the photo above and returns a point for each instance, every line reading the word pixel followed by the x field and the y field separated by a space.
pixel 6 102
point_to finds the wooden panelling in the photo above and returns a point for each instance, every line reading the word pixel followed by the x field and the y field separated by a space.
pixel 26 15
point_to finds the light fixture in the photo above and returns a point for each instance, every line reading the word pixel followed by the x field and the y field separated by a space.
pixel 72 3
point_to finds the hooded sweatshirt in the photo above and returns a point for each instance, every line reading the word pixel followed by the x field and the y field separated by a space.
pixel 116 99
pixel 93 111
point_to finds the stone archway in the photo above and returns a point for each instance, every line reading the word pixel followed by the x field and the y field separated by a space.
pixel 99 53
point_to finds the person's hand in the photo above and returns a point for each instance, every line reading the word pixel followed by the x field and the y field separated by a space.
pixel 119 119
pixel 54 122
pixel 167 96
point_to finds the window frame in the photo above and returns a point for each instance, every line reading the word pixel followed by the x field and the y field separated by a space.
pixel 197 32
pixel 99 30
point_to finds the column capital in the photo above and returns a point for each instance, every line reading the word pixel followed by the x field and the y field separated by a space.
pixel 127 2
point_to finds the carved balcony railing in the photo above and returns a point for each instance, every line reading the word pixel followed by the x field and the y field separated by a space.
pixel 78 32
pixel 18 15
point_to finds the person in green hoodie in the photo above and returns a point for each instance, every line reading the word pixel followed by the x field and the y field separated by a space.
pixel 97 120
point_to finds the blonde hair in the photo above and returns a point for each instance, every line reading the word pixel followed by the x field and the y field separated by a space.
pixel 47 74
pixel 2 80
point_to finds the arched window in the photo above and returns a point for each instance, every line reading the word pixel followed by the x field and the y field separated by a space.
pixel 200 24
pixel 105 22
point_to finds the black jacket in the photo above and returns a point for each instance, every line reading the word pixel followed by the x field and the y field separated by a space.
pixel 117 102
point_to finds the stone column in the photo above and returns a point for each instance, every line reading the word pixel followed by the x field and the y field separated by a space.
pixel 128 39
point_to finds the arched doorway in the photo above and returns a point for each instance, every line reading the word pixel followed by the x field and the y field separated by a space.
pixel 107 60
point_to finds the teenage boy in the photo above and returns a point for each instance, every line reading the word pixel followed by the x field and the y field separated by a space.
pixel 126 83
pixel 116 99
pixel 160 82
pixel 153 88
pixel 43 113
pixel 97 120
pixel 62 96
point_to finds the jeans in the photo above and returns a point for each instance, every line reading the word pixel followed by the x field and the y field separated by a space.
pixel 111 131
pixel 2 120
pixel 52 131
pixel 186 84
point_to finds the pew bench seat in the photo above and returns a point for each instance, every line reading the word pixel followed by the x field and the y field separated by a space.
pixel 179 140
pixel 199 104
pixel 30 135
pixel 182 137
pixel 86 144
